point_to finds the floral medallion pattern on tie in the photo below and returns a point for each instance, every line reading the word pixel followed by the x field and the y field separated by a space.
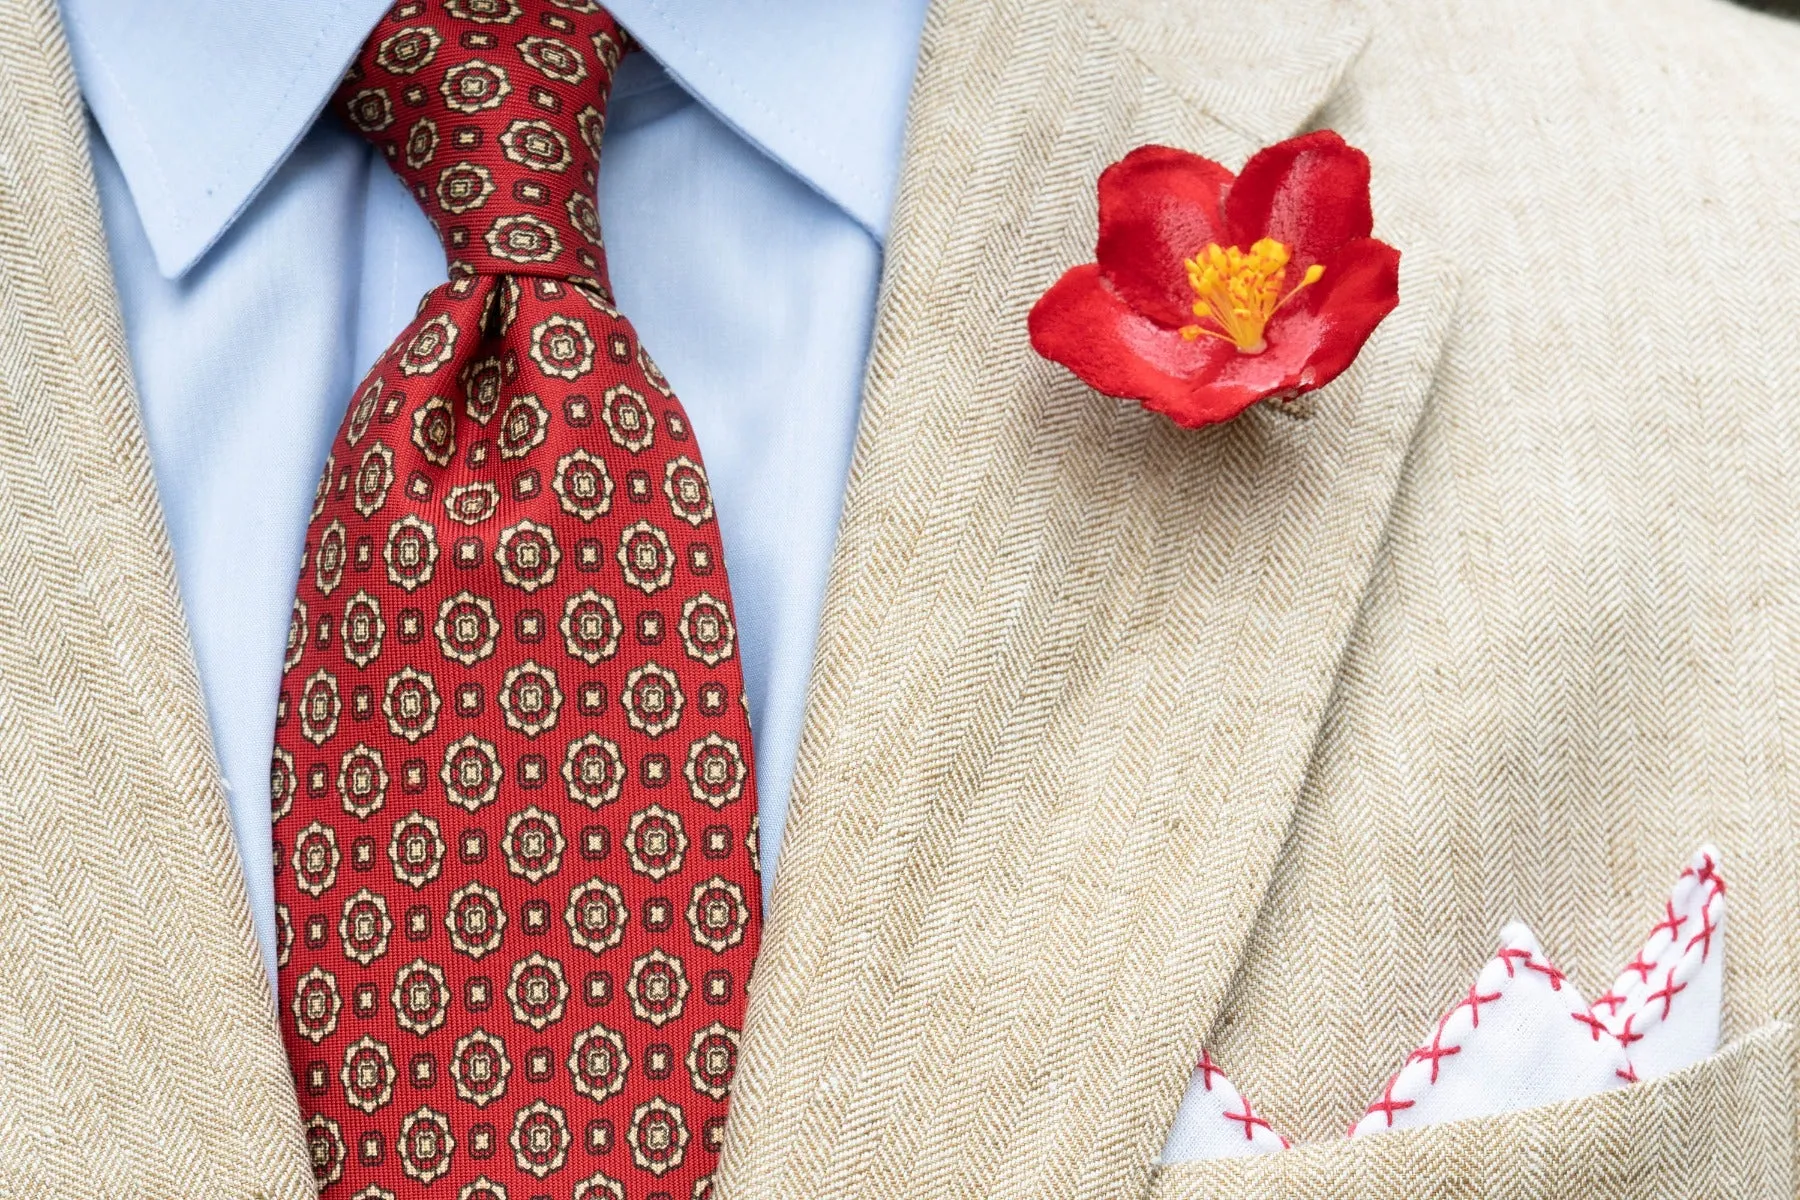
pixel 514 811
pixel 1211 292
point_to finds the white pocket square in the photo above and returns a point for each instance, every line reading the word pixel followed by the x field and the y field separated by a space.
pixel 1216 1121
pixel 1665 1005
pixel 1523 1035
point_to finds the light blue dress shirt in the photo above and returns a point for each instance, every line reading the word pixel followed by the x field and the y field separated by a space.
pixel 265 256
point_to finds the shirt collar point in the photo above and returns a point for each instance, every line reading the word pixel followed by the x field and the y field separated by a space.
pixel 202 101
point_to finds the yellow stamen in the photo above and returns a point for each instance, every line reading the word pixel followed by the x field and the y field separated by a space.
pixel 1236 293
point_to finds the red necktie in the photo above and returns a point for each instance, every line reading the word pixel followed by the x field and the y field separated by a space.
pixel 515 825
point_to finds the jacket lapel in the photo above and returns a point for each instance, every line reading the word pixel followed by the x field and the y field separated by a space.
pixel 1073 659
pixel 140 1048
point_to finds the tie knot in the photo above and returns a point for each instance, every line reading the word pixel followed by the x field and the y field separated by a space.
pixel 491 112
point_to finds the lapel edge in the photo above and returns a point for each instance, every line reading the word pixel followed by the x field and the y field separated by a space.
pixel 1259 67
pixel 180 1084
pixel 1400 362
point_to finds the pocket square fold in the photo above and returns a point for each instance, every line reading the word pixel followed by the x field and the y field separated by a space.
pixel 1522 1036
pixel 1665 1005
pixel 1216 1121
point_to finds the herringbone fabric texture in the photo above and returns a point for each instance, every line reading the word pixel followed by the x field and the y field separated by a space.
pixel 1123 740
pixel 1127 740
pixel 139 1054
pixel 1575 657
pixel 515 823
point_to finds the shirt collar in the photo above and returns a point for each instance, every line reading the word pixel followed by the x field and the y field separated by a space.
pixel 821 86
pixel 201 101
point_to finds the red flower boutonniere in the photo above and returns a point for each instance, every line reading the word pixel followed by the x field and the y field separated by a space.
pixel 1212 292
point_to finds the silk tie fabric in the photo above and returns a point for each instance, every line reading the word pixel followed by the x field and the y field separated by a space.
pixel 515 834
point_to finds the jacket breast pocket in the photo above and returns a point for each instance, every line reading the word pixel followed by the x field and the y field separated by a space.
pixel 1723 1128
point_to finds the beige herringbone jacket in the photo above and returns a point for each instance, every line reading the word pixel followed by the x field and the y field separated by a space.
pixel 1122 738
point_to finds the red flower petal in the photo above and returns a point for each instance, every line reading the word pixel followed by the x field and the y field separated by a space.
pixel 1310 193
pixel 1241 381
pixel 1322 329
pixel 1082 324
pixel 1158 207
pixel 1116 323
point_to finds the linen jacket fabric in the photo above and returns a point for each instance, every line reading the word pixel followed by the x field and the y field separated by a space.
pixel 1123 739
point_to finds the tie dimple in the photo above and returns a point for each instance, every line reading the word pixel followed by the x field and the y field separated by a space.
pixel 514 804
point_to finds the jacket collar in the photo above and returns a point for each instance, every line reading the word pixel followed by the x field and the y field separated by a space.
pixel 201 101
